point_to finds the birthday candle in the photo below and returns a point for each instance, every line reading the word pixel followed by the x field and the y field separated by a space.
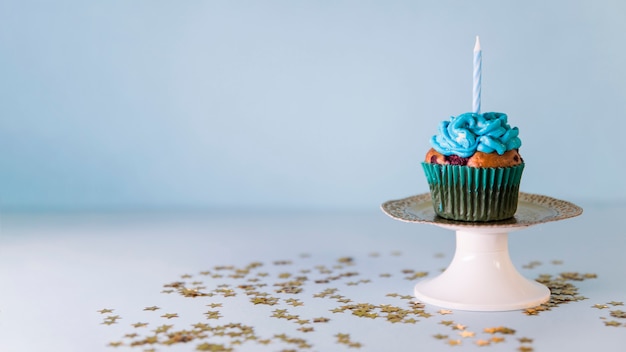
pixel 478 68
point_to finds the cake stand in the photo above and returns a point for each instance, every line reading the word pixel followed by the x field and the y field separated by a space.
pixel 481 276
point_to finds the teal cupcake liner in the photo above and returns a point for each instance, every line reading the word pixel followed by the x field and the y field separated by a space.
pixel 473 194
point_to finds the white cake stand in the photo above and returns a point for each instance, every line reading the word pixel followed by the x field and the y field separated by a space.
pixel 481 276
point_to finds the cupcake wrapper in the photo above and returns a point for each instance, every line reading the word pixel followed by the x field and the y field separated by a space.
pixel 473 194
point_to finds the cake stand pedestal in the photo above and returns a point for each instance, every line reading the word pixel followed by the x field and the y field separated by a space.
pixel 481 276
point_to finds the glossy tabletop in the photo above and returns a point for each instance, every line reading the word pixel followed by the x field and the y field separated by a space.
pixel 273 281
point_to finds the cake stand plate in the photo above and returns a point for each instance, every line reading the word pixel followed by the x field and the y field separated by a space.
pixel 481 276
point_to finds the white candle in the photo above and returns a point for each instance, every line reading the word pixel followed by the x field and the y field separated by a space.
pixel 478 68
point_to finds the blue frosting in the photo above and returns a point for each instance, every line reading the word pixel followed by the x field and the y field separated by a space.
pixel 470 132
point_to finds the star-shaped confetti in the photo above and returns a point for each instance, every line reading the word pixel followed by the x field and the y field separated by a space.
pixel 466 333
pixel 453 342
pixel 481 342
pixel 612 323
pixel 292 288
pixel 618 314
pixel 321 320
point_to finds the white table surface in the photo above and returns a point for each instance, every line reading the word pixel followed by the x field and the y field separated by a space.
pixel 58 270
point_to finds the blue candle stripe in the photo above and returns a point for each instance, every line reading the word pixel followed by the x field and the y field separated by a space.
pixel 478 67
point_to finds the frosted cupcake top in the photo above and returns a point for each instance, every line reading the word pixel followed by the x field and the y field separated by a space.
pixel 470 132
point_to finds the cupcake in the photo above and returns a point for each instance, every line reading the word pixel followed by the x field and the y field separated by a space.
pixel 474 168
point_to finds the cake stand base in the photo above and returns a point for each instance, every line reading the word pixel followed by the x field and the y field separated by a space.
pixel 481 277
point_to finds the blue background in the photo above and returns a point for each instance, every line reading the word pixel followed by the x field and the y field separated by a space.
pixel 292 104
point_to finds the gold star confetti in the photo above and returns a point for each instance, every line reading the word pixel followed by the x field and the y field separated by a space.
pixel 424 314
pixel 321 320
pixel 532 264
pixel 346 260
pixel 618 314
pixel 453 342
pixel 612 323
pixel 614 303
pixel 201 326
pixel 270 301
pixel 482 343
pixel 458 327
pixel 282 262
pixel 416 275
pixel 294 302
pixel 345 339
pixel 499 329
pixel 466 333
pixel 213 314
pixel 213 347
pixel 192 292
pixel 600 306
pixel 163 329
pixel 247 280
pixel 105 311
